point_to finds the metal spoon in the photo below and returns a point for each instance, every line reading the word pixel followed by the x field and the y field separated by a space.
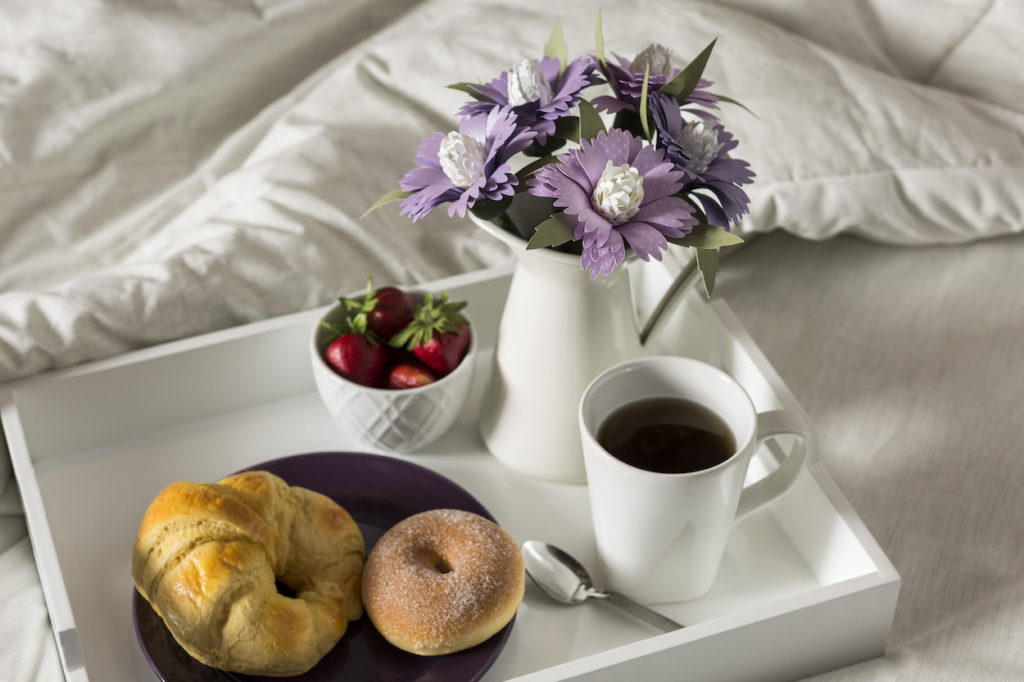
pixel 564 579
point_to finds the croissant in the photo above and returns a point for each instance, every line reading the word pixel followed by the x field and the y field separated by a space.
pixel 207 558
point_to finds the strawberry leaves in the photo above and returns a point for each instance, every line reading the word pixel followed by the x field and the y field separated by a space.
pixel 377 314
pixel 429 317
pixel 438 334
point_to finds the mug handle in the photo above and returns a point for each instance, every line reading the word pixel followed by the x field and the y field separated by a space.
pixel 770 424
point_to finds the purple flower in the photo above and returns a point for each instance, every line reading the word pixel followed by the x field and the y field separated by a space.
pixel 627 79
pixel 465 166
pixel 700 149
pixel 538 95
pixel 620 191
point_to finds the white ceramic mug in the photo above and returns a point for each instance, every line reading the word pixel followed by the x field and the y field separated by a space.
pixel 661 536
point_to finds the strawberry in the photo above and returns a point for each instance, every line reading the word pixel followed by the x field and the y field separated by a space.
pixel 392 313
pixel 409 375
pixel 358 358
pixel 387 311
pixel 438 334
pixel 355 352
pixel 444 350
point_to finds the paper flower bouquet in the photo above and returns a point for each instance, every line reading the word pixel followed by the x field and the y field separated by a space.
pixel 643 163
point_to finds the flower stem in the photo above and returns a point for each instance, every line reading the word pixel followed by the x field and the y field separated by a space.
pixel 682 282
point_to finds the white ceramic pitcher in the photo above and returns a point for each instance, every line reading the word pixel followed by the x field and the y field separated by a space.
pixel 558 331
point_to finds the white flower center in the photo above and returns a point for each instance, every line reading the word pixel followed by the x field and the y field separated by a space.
pixel 618 193
pixel 700 143
pixel 658 57
pixel 462 158
pixel 526 83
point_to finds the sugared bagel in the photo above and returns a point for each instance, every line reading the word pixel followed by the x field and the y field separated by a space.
pixel 206 558
pixel 442 581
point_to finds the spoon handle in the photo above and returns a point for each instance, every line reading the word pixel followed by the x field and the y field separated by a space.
pixel 640 611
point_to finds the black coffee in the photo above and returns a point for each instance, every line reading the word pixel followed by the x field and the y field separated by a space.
pixel 667 435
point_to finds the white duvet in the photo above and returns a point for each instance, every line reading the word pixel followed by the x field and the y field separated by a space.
pixel 170 168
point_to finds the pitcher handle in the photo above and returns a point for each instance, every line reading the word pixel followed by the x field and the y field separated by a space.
pixel 668 299
pixel 770 424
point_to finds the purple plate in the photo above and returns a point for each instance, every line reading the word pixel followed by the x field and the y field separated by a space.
pixel 378 492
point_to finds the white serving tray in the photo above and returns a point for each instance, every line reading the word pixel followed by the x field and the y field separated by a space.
pixel 803 587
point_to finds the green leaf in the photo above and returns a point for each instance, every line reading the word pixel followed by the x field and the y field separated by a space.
pixel 599 39
pixel 629 121
pixel 568 127
pixel 706 236
pixel 552 232
pixel 429 317
pixel 707 263
pixel 643 101
pixel 489 209
pixel 529 169
pixel 552 145
pixel 556 47
pixel 393 195
pixel 505 223
pixel 467 88
pixel 730 100
pixel 682 85
pixel 334 330
pixel 590 121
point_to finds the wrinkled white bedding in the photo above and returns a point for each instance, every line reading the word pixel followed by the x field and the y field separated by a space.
pixel 176 167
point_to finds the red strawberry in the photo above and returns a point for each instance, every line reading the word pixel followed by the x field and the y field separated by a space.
pixel 386 312
pixel 438 334
pixel 444 350
pixel 409 375
pixel 391 313
pixel 356 352
pixel 357 358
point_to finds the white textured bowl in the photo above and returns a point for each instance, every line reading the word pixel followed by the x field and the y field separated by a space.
pixel 402 420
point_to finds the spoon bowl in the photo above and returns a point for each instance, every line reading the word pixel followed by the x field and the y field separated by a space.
pixel 560 576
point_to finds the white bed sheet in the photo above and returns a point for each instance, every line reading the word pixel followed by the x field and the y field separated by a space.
pixel 909 361
pixel 191 166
